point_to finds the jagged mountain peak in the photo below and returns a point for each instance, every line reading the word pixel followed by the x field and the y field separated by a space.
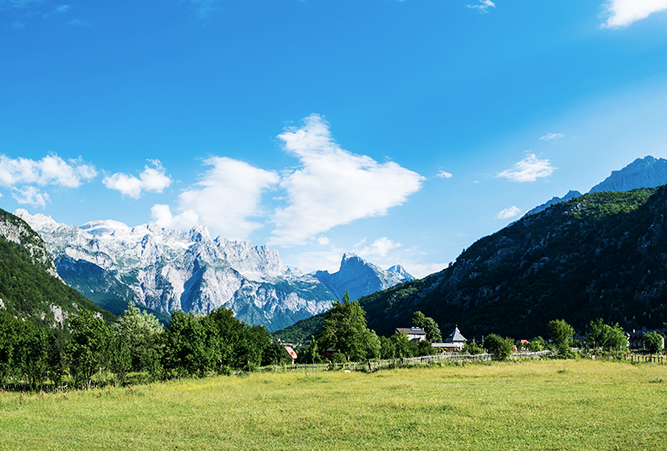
pixel 348 256
pixel 200 233
pixel 43 221
pixel 647 172
pixel 400 271
pixel 554 200
pixel 359 277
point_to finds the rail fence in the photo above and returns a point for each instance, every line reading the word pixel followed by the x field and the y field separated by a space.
pixel 374 365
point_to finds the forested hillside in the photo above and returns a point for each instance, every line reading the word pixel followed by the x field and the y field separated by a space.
pixel 29 286
pixel 602 255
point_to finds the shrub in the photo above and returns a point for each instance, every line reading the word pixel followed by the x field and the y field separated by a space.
pixel 472 348
pixel 653 342
pixel 500 348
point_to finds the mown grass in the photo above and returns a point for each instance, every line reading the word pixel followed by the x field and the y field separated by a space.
pixel 541 405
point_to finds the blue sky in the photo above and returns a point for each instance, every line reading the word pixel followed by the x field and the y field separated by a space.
pixel 400 130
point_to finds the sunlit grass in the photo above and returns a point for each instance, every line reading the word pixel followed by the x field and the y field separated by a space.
pixel 530 405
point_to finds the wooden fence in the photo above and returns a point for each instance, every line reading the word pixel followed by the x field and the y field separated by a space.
pixel 374 365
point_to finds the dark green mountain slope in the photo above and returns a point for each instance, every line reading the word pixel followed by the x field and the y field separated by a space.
pixel 602 255
pixel 29 286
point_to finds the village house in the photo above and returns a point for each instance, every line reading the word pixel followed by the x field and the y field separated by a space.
pixel 414 334
pixel 636 339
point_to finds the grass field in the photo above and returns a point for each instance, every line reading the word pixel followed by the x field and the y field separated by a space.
pixel 541 405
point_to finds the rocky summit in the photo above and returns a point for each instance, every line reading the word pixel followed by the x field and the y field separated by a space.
pixel 359 277
pixel 647 172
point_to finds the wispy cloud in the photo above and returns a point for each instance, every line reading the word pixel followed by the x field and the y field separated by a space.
pixel 550 136
pixel 334 186
pixel 528 170
pixel 444 175
pixel 227 195
pixel 18 4
pixel 622 13
pixel 508 213
pixel 484 7
pixel 152 179
pixel 78 23
pixel 31 196
pixel 379 248
pixel 205 7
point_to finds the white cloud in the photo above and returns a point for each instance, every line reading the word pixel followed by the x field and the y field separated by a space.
pixel 444 175
pixel 624 12
pixel 484 7
pixel 227 194
pixel 509 213
pixel 528 170
pixel 550 136
pixel 380 247
pixel 31 196
pixel 323 241
pixel 334 186
pixel 421 270
pixel 163 217
pixel 50 170
pixel 152 179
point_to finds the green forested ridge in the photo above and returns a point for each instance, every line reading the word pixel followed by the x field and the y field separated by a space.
pixel 27 289
pixel 301 330
pixel 602 255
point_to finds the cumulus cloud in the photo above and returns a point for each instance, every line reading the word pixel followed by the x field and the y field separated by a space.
pixel 50 170
pixel 550 136
pixel 508 213
pixel 152 179
pixel 528 170
pixel 624 12
pixel 380 247
pixel 334 186
pixel 444 175
pixel 484 7
pixel 226 196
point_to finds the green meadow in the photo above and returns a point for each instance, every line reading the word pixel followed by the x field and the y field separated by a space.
pixel 545 405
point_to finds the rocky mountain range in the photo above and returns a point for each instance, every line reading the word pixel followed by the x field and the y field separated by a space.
pixel 165 270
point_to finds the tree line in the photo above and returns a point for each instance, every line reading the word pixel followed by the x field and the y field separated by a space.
pixel 218 343
pixel 191 345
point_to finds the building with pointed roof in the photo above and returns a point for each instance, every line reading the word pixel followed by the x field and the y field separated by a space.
pixel 455 342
